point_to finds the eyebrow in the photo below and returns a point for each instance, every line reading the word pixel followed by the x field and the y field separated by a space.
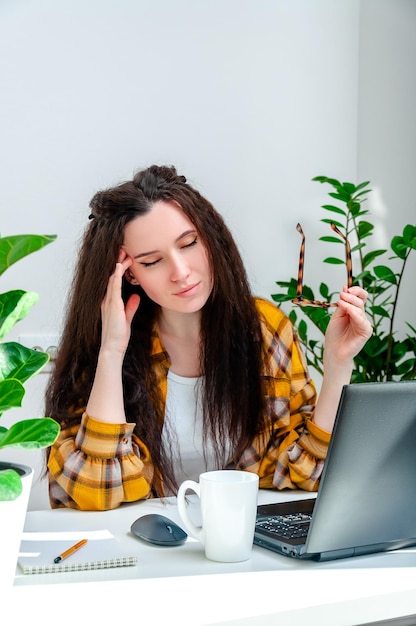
pixel 184 234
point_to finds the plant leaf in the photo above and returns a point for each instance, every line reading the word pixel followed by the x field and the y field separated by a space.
pixel 17 361
pixel 385 273
pixel 358 197
pixel 329 221
pixel 281 297
pixel 16 247
pixel 409 235
pixel 399 247
pixel 325 179
pixel 324 291
pixel 14 306
pixel 10 485
pixel 406 367
pixel 362 185
pixel 287 285
pixel 31 433
pixel 334 209
pixel 11 394
pixel 382 357
pixel 355 209
pixel 303 330
pixel 331 239
pixel 370 256
pixel 412 328
pixel 340 196
pixel 293 317
pixel 379 310
pixel 364 229
pixel 333 260
pixel 349 188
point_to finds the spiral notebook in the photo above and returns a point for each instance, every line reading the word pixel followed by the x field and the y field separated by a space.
pixel 102 550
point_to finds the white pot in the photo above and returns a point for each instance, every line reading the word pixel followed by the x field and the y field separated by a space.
pixel 12 520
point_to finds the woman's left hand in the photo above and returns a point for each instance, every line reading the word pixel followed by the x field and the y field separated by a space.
pixel 349 328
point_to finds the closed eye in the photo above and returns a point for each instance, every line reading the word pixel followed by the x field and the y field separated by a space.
pixel 192 243
pixel 150 263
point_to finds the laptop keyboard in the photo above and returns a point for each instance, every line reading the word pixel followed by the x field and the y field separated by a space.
pixel 292 526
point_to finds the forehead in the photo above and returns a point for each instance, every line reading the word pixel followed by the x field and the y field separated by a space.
pixel 163 224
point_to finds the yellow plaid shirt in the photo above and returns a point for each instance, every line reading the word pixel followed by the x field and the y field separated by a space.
pixel 98 466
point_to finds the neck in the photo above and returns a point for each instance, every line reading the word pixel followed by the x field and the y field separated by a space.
pixel 180 325
pixel 180 336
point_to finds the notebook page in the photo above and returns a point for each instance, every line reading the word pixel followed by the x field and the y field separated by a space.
pixel 102 550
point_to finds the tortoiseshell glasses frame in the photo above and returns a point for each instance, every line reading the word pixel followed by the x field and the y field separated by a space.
pixel 300 300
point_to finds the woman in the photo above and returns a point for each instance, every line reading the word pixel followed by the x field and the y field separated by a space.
pixel 168 366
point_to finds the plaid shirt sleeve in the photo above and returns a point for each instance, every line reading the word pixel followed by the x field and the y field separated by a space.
pixel 290 453
pixel 97 466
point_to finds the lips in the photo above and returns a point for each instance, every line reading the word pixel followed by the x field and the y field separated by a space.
pixel 188 291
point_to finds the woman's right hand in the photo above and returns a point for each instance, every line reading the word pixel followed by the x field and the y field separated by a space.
pixel 115 316
pixel 106 401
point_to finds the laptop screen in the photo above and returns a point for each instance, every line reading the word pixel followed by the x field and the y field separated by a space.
pixel 367 496
pixel 367 493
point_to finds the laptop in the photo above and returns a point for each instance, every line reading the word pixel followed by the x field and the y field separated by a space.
pixel 366 501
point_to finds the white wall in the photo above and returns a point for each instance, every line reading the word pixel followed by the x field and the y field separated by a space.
pixel 387 127
pixel 242 96
pixel 248 98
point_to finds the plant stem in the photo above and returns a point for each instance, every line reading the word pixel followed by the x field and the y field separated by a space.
pixel 393 313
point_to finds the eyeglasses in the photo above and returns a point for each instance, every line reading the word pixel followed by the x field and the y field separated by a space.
pixel 300 300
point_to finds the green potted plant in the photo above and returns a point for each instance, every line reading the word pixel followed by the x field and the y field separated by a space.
pixel 17 364
pixel 386 356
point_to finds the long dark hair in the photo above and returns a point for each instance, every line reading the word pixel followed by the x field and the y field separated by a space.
pixel 232 358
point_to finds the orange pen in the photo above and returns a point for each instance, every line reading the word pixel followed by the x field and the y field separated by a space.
pixel 70 551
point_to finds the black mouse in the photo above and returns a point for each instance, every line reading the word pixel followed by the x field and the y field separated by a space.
pixel 159 530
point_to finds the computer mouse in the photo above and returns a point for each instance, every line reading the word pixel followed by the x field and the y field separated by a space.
pixel 159 530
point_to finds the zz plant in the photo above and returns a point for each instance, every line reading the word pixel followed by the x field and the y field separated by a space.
pixel 386 356
pixel 19 363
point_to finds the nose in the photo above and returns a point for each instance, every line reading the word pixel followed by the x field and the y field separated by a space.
pixel 179 269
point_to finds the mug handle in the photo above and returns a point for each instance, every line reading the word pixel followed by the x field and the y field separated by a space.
pixel 190 527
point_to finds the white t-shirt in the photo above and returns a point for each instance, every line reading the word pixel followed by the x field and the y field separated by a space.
pixel 182 429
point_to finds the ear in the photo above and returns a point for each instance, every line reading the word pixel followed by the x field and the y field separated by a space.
pixel 129 276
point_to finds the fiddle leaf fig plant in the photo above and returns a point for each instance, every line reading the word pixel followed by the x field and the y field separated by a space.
pixel 19 363
pixel 386 356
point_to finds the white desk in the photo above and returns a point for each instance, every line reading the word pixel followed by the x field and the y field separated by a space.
pixel 178 585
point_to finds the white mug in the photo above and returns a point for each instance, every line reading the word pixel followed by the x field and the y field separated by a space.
pixel 228 510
